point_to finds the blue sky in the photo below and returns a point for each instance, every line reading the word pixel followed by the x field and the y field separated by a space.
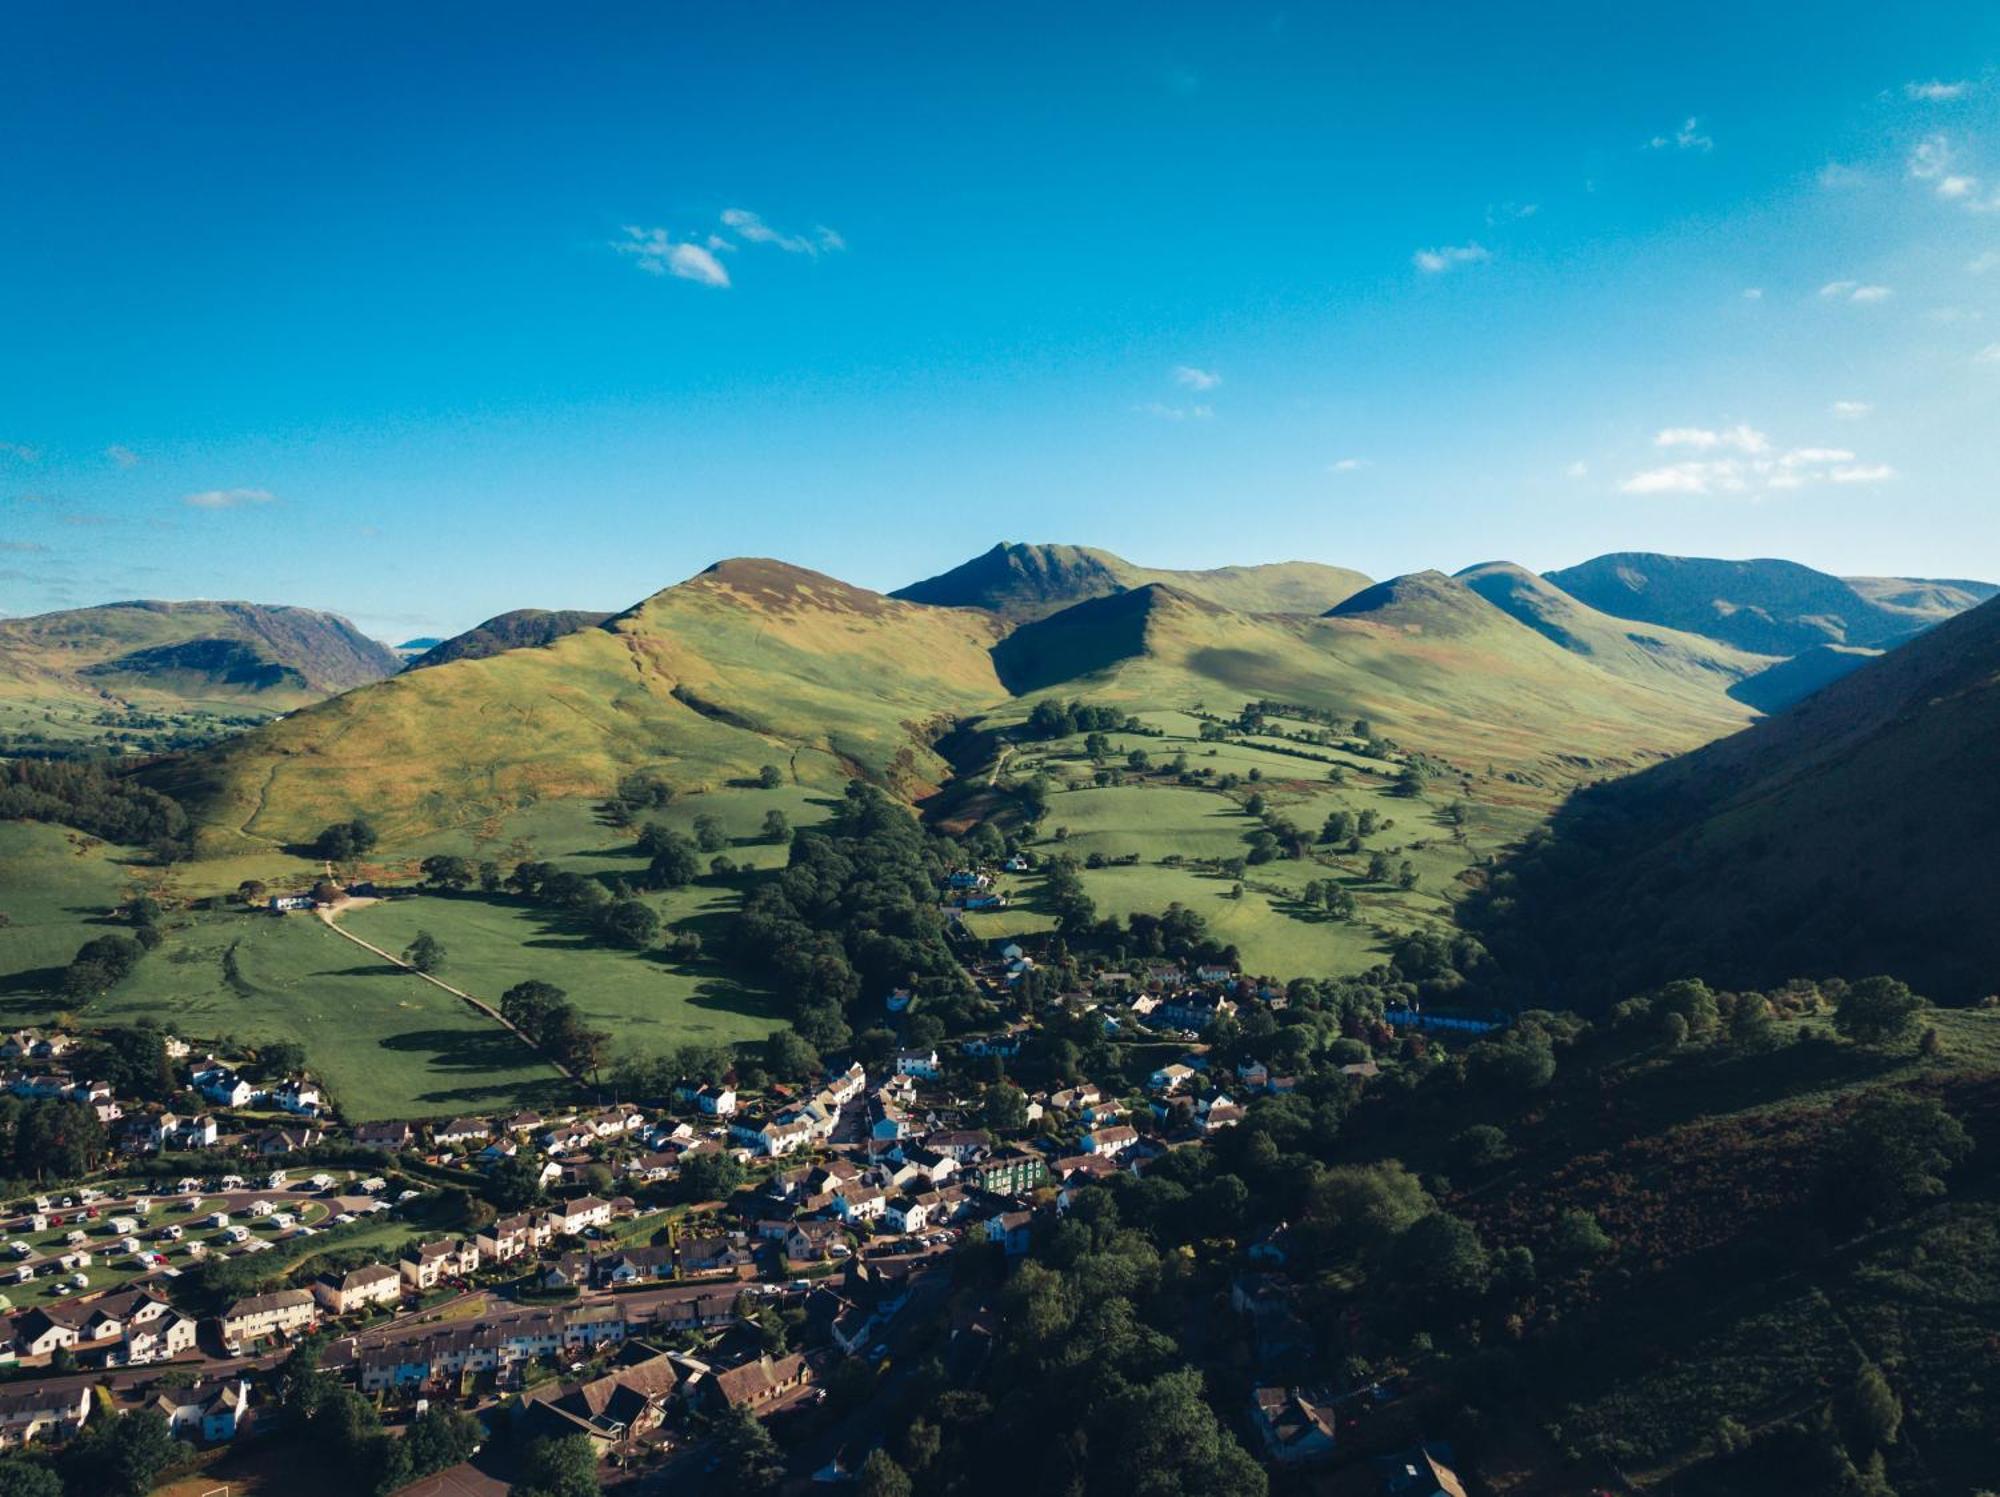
pixel 424 312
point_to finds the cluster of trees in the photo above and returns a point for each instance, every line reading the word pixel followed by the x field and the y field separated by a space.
pixel 854 911
pixel 343 841
pixel 114 1456
pixel 542 1011
pixel 92 800
pixel 50 1139
pixel 1053 719
pixel 102 962
pixel 344 1433
pixel 619 917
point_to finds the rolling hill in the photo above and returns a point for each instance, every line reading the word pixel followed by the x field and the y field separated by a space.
pixel 1026 582
pixel 520 628
pixel 1666 659
pixel 1764 606
pixel 1927 600
pixel 1424 658
pixel 143 677
pixel 749 663
pixel 1849 835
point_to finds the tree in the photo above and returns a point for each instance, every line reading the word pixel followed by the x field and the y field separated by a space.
pixel 1878 1012
pixel 444 871
pixel 340 841
pixel 708 833
pixel 787 1055
pixel 527 1006
pixel 1378 867
pixel 748 1456
pixel 1442 1257
pixel 559 1468
pixel 22 1477
pixel 675 864
pixel 426 953
pixel 921 1442
pixel 1752 1025
pixel 1874 1412
pixel 710 1177
pixel 515 1184
pixel 632 924
pixel 1578 1238
pixel 121 1456
pixel 1406 876
pixel 1004 1108
pixel 441 1436
pixel 770 777
pixel 882 1477
pixel 776 827
pixel 1894 1152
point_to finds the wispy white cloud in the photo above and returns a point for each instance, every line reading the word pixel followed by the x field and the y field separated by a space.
pixel 657 252
pixel 230 498
pixel 1753 293
pixel 1161 411
pixel 1577 469
pixel 1935 161
pixel 1936 91
pixel 1435 261
pixel 23 548
pixel 1742 462
pixel 1188 377
pixel 1501 213
pixel 1837 176
pixel 752 228
pixel 1980 263
pixel 1850 410
pixel 21 452
pixel 1347 465
pixel 1990 354
pixel 1736 438
pixel 1688 137
pixel 123 456
pixel 1854 291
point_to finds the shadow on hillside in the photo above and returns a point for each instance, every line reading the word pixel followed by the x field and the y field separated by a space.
pixel 462 1049
pixel 369 969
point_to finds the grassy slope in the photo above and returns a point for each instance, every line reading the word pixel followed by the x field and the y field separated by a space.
pixel 387 1044
pixel 772 665
pixel 1852 834
pixel 1424 659
pixel 1023 582
pixel 1690 1158
pixel 1666 659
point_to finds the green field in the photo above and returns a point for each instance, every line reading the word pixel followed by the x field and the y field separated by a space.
pixel 1275 932
pixel 386 1043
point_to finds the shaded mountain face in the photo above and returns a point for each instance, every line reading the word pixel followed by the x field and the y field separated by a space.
pixel 521 628
pixel 1784 682
pixel 1926 599
pixel 1766 607
pixel 188 649
pixel 1025 582
pixel 1849 835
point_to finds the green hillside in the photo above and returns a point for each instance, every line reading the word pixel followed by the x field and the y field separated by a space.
pixel 1666 659
pixel 1851 834
pixel 147 675
pixel 1025 582
pixel 1765 606
pixel 750 663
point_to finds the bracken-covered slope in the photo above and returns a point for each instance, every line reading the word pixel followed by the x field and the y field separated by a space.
pixel 1026 582
pixel 749 663
pixel 1850 835
pixel 519 629
pixel 1667 659
pixel 1426 660
pixel 160 653
pixel 1765 606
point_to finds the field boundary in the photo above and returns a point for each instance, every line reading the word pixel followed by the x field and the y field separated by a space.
pixel 479 1004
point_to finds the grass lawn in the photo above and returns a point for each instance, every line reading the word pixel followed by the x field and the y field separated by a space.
pixel 648 1003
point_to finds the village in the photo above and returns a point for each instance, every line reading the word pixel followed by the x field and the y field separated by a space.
pixel 659 1266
